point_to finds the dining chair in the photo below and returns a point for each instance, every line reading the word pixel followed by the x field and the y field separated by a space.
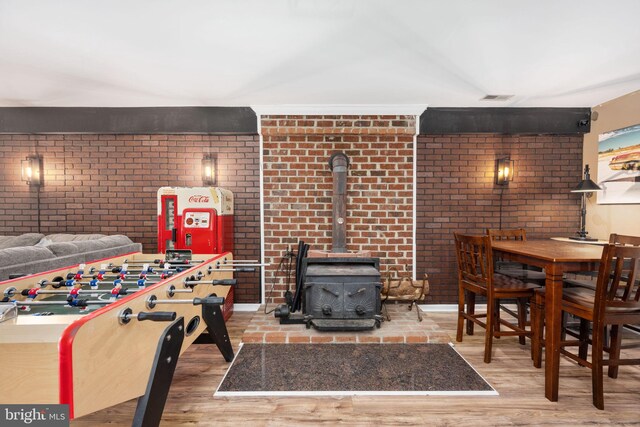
pixel 614 302
pixel 514 269
pixel 476 277
pixel 583 334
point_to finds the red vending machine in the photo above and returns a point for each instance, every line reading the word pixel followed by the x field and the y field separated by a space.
pixel 196 218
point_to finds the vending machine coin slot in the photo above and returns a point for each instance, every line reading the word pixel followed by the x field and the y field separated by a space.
pixel 187 240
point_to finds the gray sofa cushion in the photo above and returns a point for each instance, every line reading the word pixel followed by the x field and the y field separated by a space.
pixel 28 239
pixel 62 248
pixel 115 240
pixel 21 255
pixel 89 245
pixel 64 237
pixel 67 250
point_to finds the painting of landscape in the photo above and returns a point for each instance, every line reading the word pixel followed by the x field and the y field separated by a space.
pixel 619 166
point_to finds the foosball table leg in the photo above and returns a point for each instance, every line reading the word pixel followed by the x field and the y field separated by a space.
pixel 151 404
pixel 212 315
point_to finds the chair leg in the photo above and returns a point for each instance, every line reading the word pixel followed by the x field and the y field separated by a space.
pixel 471 310
pixel 522 317
pixel 461 295
pixel 596 367
pixel 488 338
pixel 614 349
pixel 496 318
pixel 583 348
pixel 537 327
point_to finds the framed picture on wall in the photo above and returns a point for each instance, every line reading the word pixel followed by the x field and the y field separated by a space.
pixel 619 166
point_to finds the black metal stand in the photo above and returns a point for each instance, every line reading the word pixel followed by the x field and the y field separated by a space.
pixel 582 234
pixel 212 315
pixel 151 404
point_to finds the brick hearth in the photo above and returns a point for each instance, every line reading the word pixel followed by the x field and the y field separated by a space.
pixel 404 327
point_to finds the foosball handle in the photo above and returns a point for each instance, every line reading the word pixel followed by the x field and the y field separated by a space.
pixel 227 282
pixel 157 316
pixel 245 269
pixel 208 300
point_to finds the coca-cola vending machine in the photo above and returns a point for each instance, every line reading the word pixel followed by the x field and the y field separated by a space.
pixel 196 218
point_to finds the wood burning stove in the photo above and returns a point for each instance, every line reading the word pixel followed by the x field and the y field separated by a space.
pixel 342 289
pixel 342 294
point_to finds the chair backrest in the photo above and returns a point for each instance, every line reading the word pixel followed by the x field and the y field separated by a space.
pixel 475 260
pixel 617 289
pixel 513 234
pixel 621 239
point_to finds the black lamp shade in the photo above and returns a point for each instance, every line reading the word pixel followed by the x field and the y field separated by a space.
pixel 586 185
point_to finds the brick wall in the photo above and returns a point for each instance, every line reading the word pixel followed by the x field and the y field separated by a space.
pixel 456 192
pixel 298 186
pixel 107 184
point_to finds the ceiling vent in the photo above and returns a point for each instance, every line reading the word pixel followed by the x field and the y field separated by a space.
pixel 496 97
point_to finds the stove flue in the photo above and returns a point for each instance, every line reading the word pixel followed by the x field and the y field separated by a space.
pixel 341 288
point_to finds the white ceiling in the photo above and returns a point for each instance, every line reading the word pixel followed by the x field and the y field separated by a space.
pixel 443 53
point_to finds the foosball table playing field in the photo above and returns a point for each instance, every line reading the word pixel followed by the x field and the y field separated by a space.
pixel 97 334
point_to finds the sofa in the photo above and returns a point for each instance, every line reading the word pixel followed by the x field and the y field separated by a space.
pixel 34 252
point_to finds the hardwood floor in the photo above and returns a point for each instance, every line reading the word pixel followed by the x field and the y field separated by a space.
pixel 511 373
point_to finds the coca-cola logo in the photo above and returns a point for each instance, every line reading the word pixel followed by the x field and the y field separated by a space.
pixel 199 199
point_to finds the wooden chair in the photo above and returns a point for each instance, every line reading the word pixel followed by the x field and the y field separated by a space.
pixel 537 314
pixel 476 277
pixel 615 302
pixel 514 269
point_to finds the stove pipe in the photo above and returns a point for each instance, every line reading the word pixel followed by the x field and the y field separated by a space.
pixel 339 165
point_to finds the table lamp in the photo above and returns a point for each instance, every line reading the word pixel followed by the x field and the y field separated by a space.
pixel 586 187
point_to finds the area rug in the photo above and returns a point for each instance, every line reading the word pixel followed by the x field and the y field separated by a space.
pixel 351 369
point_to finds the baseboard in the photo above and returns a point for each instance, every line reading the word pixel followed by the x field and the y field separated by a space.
pixel 427 308
pixel 246 307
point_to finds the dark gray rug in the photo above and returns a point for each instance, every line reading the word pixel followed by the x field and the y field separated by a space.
pixel 351 369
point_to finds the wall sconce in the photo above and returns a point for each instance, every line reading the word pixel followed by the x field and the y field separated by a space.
pixel 32 171
pixel 504 171
pixel 209 170
pixel 586 187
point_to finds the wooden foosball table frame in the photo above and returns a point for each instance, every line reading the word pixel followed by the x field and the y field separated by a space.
pixel 94 361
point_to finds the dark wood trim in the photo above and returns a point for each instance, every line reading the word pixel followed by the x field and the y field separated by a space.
pixel 509 121
pixel 138 120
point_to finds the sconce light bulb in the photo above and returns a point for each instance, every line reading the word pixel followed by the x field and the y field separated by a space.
pixel 207 171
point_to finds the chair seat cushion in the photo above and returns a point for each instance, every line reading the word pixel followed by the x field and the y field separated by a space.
pixel 586 298
pixel 507 283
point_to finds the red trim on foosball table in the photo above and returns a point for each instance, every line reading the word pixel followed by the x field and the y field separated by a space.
pixel 65 345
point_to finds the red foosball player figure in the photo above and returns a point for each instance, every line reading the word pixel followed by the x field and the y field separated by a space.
pixel 115 292
pixel 33 293
pixel 75 292
pixel 31 296
pixel 80 272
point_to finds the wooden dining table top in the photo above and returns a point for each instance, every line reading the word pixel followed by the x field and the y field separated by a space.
pixel 550 250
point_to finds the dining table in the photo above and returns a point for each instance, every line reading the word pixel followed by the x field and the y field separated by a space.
pixel 556 258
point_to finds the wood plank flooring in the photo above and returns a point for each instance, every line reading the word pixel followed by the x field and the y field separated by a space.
pixel 521 400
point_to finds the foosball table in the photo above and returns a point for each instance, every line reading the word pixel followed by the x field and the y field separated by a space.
pixel 97 334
